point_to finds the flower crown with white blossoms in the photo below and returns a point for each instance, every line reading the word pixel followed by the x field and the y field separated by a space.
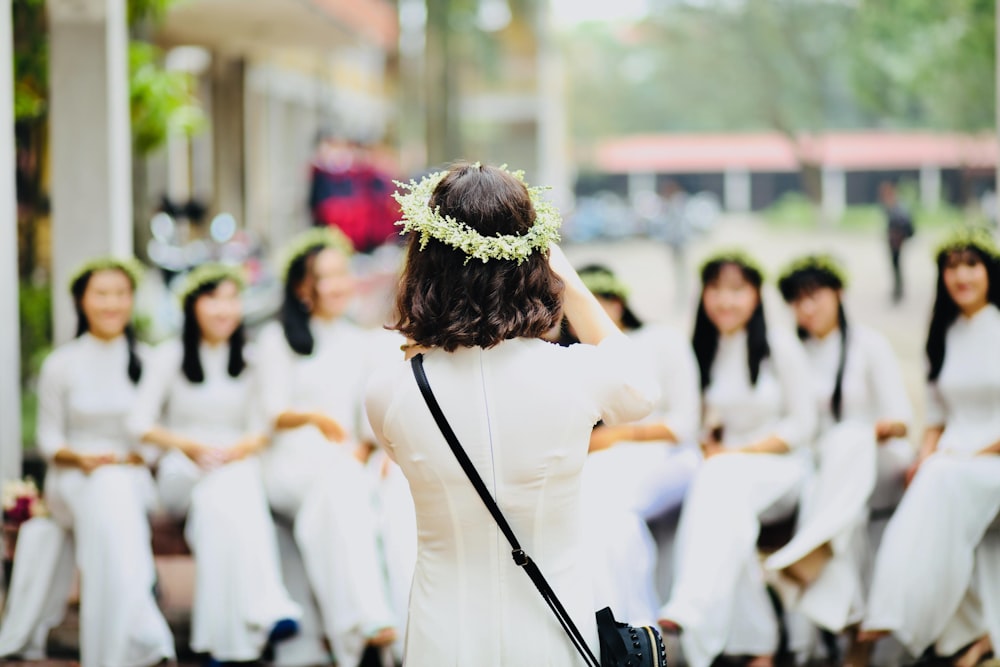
pixel 414 201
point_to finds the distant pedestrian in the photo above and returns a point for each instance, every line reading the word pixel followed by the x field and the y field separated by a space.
pixel 899 228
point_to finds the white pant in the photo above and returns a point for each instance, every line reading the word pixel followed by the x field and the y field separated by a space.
pixel 623 488
pixel 926 582
pixel 719 597
pixel 239 595
pixel 39 587
pixel 835 512
pixel 120 623
pixel 327 495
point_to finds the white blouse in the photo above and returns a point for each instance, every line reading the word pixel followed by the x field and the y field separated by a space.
pixel 670 355
pixel 331 380
pixel 872 388
pixel 779 404
pixel 217 412
pixel 965 399
pixel 85 396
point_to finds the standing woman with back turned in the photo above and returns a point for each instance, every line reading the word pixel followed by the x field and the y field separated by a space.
pixel 97 484
pixel 759 422
pixel 196 401
pixel 482 284
pixel 937 580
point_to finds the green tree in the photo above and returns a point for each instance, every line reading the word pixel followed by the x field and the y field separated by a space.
pixel 927 62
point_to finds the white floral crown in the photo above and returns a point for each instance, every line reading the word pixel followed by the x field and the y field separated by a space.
pixel 414 200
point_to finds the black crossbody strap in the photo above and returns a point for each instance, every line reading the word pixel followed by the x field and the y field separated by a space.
pixel 520 558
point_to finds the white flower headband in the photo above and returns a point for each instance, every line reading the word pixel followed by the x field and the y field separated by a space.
pixel 414 200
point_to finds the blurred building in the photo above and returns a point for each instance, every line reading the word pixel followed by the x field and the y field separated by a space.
pixel 749 172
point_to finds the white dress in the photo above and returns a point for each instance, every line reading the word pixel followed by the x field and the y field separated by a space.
pixel 239 595
pixel 835 506
pixel 633 482
pixel 719 596
pixel 320 486
pixel 523 411
pixel 84 397
pixel 936 578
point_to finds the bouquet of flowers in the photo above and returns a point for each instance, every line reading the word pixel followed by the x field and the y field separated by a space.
pixel 21 501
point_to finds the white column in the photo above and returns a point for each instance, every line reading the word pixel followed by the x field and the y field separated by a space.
pixel 930 186
pixel 553 132
pixel 834 194
pixel 228 136
pixel 91 140
pixel 10 356
pixel 736 190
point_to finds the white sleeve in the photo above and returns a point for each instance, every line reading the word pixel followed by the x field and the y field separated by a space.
pixel 378 396
pixel 161 370
pixel 624 388
pixel 887 380
pixel 382 350
pixel 274 372
pixel 937 411
pixel 52 396
pixel 798 424
pixel 679 382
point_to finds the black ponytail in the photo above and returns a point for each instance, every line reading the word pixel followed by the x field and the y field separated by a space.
pixel 295 313
pixel 837 400
pixel 134 363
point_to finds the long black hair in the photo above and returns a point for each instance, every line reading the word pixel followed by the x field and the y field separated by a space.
pixel 191 339
pixel 802 281
pixel 78 288
pixel 705 339
pixel 614 290
pixel 946 311
pixel 295 312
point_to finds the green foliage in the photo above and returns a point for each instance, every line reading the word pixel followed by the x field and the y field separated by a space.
pixel 31 59
pixel 927 62
pixel 161 101
pixel 35 315
pixel 793 209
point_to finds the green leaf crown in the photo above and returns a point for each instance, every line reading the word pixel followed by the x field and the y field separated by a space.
pixel 130 266
pixel 317 237
pixel 207 274
pixel 735 256
pixel 968 237
pixel 822 262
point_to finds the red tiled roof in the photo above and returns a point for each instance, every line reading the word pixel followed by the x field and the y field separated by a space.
pixel 853 151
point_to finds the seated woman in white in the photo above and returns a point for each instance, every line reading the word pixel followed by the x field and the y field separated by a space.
pixel 937 575
pixel 313 365
pixel 196 402
pixel 97 485
pixel 640 470
pixel 863 406
pixel 522 408
pixel 759 423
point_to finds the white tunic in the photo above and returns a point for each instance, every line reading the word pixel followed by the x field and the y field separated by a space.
pixel 944 515
pixel 633 482
pixel 85 396
pixel 719 596
pixel 835 507
pixel 523 411
pixel 239 595
pixel 319 485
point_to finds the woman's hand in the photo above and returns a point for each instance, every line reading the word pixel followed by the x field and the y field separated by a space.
pixel 888 429
pixel 88 463
pixel 329 427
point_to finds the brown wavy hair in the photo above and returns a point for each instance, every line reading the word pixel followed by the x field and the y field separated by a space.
pixel 447 300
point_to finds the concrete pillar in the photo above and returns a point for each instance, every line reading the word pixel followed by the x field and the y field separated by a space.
pixel 640 186
pixel 553 132
pixel 10 346
pixel 834 194
pixel 930 186
pixel 228 136
pixel 91 140
pixel 736 190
